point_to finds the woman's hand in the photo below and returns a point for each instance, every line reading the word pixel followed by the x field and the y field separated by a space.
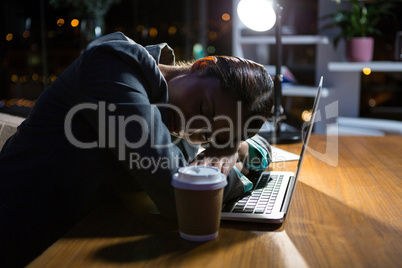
pixel 224 159
pixel 243 151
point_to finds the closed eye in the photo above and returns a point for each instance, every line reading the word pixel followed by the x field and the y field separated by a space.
pixel 207 135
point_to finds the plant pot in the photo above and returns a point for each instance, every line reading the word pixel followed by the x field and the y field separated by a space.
pixel 359 49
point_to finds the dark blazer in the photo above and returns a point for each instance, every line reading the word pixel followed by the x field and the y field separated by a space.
pixel 96 128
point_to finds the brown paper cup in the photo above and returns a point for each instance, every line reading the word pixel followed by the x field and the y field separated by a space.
pixel 199 213
pixel 199 194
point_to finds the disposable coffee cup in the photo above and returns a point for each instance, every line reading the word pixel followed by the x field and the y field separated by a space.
pixel 199 194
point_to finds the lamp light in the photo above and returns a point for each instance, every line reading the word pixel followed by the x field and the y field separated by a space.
pixel 258 15
pixel 262 15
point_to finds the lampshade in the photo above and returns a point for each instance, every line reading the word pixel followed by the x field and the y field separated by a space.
pixel 258 15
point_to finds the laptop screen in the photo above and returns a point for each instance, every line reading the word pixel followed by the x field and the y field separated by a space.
pixel 310 125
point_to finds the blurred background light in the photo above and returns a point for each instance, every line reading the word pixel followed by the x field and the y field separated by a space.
pixel 35 77
pixel 140 28
pixel 75 22
pixel 225 16
pixel 98 31
pixel 306 115
pixel 14 78
pixel 28 22
pixel 172 30
pixel 198 51
pixel 367 71
pixel 26 34
pixel 60 22
pixel 212 36
pixel 9 37
pixel 258 15
pixel 153 32
pixel 211 49
pixel 372 102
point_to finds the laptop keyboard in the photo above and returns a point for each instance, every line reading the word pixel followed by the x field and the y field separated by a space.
pixel 261 200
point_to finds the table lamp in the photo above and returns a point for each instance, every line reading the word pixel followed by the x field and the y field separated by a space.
pixel 260 16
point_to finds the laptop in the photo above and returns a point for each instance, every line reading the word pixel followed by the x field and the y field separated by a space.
pixel 270 199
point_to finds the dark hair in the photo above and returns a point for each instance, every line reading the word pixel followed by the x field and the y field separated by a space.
pixel 250 83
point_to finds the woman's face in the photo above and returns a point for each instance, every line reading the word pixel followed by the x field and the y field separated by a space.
pixel 201 112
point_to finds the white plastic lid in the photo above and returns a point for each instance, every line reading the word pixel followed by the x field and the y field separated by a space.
pixel 199 178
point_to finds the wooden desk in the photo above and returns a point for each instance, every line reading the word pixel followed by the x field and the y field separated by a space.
pixel 343 216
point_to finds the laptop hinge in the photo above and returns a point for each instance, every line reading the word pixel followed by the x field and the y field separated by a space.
pixel 288 195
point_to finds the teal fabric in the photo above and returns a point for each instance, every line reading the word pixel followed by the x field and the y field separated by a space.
pixel 259 156
pixel 258 159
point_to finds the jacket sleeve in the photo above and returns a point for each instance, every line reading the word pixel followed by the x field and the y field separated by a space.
pixel 119 79
pixel 235 187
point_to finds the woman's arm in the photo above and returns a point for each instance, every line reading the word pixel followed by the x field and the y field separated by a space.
pixel 223 159
pixel 119 75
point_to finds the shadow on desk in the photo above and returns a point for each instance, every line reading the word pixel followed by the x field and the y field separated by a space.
pixel 339 232
pixel 320 231
pixel 117 233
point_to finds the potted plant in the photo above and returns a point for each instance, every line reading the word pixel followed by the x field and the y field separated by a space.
pixel 357 27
